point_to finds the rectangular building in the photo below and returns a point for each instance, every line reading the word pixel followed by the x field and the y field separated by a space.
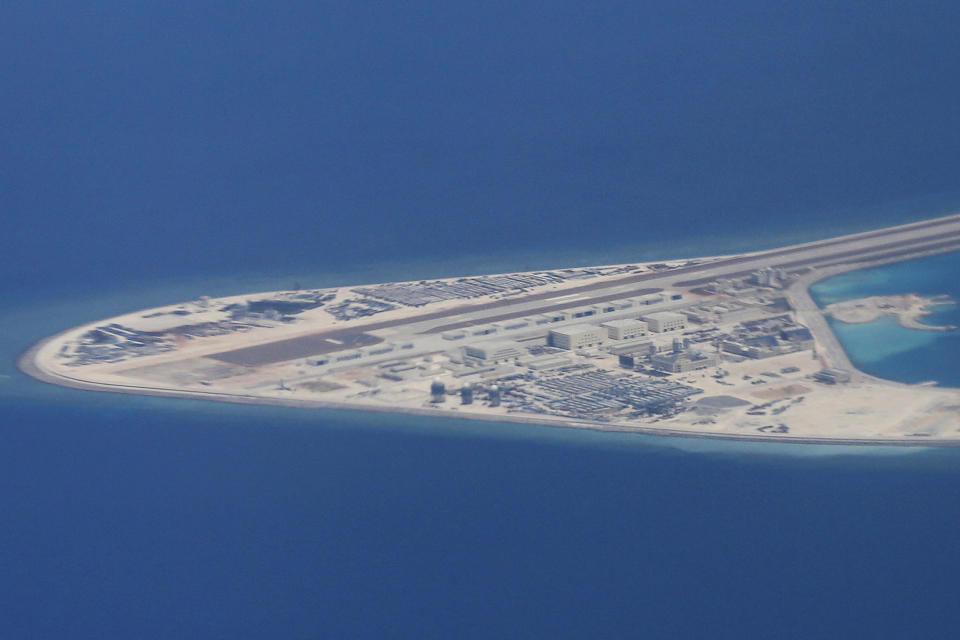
pixel 625 329
pixel 638 347
pixel 577 336
pixel 663 321
pixel 495 351
pixel 684 361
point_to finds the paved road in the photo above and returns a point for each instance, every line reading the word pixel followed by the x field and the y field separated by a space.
pixel 618 295
pixel 947 240
pixel 808 313
pixel 292 348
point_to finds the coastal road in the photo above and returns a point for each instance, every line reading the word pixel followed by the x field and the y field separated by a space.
pixel 809 314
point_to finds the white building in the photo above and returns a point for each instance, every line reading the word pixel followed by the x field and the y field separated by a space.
pixel 495 351
pixel 662 321
pixel 625 329
pixel 577 336
pixel 768 277
pixel 684 361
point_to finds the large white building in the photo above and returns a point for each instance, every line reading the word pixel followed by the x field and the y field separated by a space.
pixel 494 351
pixel 662 321
pixel 625 329
pixel 577 336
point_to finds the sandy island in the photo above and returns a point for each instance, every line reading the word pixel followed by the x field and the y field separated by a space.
pixel 907 309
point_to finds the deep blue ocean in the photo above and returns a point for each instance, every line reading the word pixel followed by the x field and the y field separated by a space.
pixel 152 152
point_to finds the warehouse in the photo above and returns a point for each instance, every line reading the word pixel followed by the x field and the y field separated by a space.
pixel 665 321
pixel 577 336
pixel 625 329
pixel 494 352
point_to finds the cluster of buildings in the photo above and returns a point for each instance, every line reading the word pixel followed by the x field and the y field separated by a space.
pixel 581 336
pixel 769 277
pixel 352 309
pixel 378 350
pixel 594 393
pixel 416 294
pixel 552 362
pixel 582 391
pixel 623 337
pixel 757 283
pixel 719 312
pixel 767 337
pixel 684 360
pixel 585 313
pixel 114 342
pixel 276 309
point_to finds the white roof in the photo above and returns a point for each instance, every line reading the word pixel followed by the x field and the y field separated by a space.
pixel 575 329
pixel 496 345
pixel 626 323
pixel 666 315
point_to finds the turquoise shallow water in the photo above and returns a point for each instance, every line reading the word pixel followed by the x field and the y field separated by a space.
pixel 884 348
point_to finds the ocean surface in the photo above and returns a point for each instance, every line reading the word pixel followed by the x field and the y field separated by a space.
pixel 155 152
pixel 884 348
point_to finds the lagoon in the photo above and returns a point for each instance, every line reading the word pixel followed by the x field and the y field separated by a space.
pixel 884 348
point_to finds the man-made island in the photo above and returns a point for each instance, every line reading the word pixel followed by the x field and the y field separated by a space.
pixel 729 346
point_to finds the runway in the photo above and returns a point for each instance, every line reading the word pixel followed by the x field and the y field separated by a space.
pixel 888 244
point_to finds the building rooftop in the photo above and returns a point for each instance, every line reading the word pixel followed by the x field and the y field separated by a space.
pixel 575 328
pixel 499 344
pixel 631 348
pixel 683 355
pixel 624 323
pixel 665 315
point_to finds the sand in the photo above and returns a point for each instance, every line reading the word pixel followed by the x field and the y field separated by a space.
pixel 908 309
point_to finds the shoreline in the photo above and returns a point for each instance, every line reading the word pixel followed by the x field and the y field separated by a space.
pixel 31 363
pixel 26 363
